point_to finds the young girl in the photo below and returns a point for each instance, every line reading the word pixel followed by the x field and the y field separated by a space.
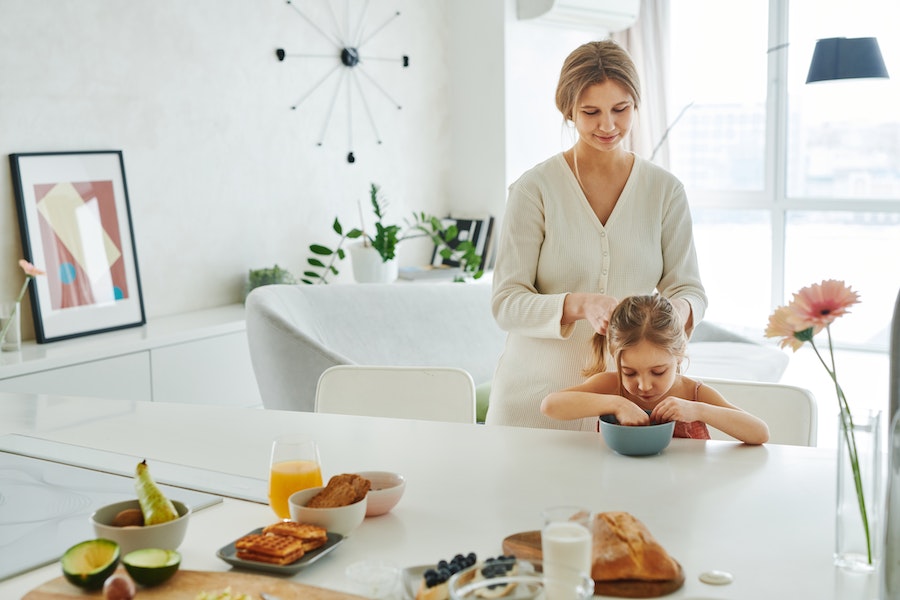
pixel 647 341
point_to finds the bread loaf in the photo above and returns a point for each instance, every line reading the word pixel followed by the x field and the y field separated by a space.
pixel 625 549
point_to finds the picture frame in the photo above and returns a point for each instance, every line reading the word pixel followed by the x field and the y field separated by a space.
pixel 477 230
pixel 75 224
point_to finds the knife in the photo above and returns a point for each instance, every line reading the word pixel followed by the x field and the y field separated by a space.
pixel 266 596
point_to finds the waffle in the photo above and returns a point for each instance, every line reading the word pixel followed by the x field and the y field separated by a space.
pixel 311 535
pixel 342 490
pixel 274 549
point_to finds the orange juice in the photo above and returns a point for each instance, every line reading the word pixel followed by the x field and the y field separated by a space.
pixel 287 477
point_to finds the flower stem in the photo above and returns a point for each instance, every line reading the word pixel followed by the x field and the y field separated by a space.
pixel 847 428
pixel 12 315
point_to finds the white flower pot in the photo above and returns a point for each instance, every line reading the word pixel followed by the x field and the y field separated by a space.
pixel 368 266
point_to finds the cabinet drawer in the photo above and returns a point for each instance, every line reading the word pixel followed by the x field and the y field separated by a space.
pixel 125 377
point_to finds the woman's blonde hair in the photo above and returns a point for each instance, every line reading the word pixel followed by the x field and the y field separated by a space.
pixel 592 63
pixel 650 318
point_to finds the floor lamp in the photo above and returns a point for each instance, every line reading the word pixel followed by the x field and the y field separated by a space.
pixel 859 58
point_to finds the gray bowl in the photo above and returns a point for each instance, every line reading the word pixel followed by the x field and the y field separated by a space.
pixel 167 536
pixel 636 440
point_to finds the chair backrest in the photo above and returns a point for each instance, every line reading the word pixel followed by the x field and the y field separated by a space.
pixel 790 412
pixel 428 393
pixel 295 332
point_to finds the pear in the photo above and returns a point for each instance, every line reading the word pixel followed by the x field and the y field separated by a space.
pixel 154 504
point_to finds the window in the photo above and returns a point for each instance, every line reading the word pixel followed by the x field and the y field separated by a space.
pixel 789 183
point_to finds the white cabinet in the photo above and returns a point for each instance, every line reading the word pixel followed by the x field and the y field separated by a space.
pixel 200 357
pixel 208 371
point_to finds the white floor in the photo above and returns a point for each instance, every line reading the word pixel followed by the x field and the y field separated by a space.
pixel 862 375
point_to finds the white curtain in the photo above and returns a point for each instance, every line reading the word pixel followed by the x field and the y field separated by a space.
pixel 648 42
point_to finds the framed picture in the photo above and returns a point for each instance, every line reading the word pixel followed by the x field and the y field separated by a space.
pixel 75 224
pixel 477 231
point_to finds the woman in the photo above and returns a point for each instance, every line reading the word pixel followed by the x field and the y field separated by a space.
pixel 582 230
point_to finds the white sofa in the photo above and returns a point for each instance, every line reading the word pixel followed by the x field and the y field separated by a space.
pixel 295 332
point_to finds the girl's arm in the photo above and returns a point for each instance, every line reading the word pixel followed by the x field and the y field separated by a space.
pixel 715 411
pixel 593 398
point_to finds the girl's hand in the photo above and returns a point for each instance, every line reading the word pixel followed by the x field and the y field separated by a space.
pixel 629 413
pixel 675 409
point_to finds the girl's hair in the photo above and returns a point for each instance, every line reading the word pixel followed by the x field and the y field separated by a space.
pixel 592 63
pixel 636 319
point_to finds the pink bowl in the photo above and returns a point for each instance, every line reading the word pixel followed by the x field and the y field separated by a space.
pixel 387 488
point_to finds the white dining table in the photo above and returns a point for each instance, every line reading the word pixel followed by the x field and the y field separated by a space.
pixel 765 514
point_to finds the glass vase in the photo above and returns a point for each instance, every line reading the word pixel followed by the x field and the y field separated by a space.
pixel 890 580
pixel 853 549
pixel 10 312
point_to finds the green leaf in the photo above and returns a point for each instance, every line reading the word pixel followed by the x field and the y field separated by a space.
pixel 320 250
pixel 337 227
pixel 315 262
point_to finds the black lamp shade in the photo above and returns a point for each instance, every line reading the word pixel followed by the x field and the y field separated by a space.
pixel 846 58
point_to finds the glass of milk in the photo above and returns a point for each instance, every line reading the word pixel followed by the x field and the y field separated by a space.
pixel 566 542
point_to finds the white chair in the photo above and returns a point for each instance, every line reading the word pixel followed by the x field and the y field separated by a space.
pixel 428 393
pixel 790 412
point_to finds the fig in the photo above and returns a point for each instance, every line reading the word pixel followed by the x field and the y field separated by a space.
pixel 119 587
pixel 128 518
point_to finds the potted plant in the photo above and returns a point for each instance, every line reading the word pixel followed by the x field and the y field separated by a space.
pixel 268 276
pixel 379 250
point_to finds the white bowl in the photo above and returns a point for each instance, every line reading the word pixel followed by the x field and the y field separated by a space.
pixel 342 519
pixel 166 536
pixel 387 488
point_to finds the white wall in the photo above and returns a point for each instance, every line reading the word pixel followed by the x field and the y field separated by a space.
pixel 222 175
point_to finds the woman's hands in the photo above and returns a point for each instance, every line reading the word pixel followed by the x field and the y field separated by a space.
pixel 593 308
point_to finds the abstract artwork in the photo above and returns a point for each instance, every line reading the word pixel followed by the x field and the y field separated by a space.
pixel 75 223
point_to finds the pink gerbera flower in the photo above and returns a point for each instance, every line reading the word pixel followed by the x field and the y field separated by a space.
pixel 782 326
pixel 30 269
pixel 819 304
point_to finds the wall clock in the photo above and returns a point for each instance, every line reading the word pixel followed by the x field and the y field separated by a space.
pixel 349 39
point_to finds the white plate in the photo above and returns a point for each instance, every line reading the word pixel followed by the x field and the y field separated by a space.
pixel 411 577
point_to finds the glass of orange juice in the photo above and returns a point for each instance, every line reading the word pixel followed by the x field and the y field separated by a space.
pixel 294 466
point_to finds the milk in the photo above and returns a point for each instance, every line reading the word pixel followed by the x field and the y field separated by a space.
pixel 566 549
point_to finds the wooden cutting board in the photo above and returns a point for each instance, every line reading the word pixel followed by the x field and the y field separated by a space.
pixel 527 546
pixel 185 585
